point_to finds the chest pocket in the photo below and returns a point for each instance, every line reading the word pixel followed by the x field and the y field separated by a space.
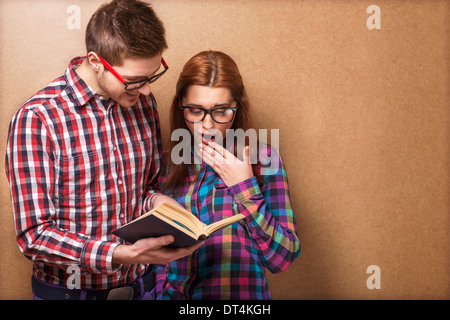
pixel 78 177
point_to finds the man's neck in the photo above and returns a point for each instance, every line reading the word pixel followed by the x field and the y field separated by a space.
pixel 89 76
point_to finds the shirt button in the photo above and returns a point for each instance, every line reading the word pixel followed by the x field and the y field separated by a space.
pixel 121 215
pixel 119 181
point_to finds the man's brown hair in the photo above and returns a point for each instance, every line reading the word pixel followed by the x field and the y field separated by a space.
pixel 125 29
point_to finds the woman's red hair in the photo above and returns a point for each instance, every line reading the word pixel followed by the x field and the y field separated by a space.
pixel 213 69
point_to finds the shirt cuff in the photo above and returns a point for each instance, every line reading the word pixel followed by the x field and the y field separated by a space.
pixel 147 201
pixel 245 190
pixel 96 256
pixel 245 193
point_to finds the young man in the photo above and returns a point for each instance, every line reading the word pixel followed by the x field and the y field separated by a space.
pixel 82 159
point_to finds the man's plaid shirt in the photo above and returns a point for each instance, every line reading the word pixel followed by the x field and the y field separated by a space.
pixel 80 166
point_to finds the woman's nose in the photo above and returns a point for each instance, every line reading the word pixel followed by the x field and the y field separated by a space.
pixel 208 122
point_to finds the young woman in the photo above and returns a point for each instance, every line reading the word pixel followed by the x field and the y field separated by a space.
pixel 210 99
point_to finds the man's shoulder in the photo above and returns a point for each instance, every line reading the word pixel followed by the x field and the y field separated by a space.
pixel 47 93
pixel 42 102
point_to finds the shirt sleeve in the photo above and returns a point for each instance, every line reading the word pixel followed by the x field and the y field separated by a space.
pixel 270 219
pixel 30 172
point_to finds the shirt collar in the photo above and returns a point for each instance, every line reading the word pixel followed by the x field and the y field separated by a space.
pixel 80 90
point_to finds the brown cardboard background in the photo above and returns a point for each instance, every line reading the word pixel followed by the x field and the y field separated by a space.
pixel 363 116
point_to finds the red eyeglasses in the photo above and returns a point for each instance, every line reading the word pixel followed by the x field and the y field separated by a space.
pixel 135 84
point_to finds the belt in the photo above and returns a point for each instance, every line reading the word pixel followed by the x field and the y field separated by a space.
pixel 135 289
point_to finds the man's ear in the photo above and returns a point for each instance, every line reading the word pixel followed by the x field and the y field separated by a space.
pixel 94 61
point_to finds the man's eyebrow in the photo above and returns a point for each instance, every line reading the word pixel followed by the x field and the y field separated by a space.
pixel 135 77
pixel 141 77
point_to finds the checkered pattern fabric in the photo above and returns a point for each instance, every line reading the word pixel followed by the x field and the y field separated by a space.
pixel 232 262
pixel 80 166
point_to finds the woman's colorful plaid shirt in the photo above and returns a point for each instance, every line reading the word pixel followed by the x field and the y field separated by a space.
pixel 232 262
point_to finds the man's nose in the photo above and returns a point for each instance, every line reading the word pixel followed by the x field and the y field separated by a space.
pixel 145 89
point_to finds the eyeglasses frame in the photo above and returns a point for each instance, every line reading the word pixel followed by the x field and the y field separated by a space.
pixel 209 111
pixel 127 83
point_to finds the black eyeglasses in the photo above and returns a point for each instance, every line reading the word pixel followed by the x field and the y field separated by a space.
pixel 134 84
pixel 219 115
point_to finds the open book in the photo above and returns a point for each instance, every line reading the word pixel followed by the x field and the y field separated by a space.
pixel 170 219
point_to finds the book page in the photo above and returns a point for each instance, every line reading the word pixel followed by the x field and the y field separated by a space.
pixel 223 223
pixel 180 216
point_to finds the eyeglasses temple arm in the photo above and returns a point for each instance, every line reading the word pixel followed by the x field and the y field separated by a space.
pixel 163 62
pixel 111 69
